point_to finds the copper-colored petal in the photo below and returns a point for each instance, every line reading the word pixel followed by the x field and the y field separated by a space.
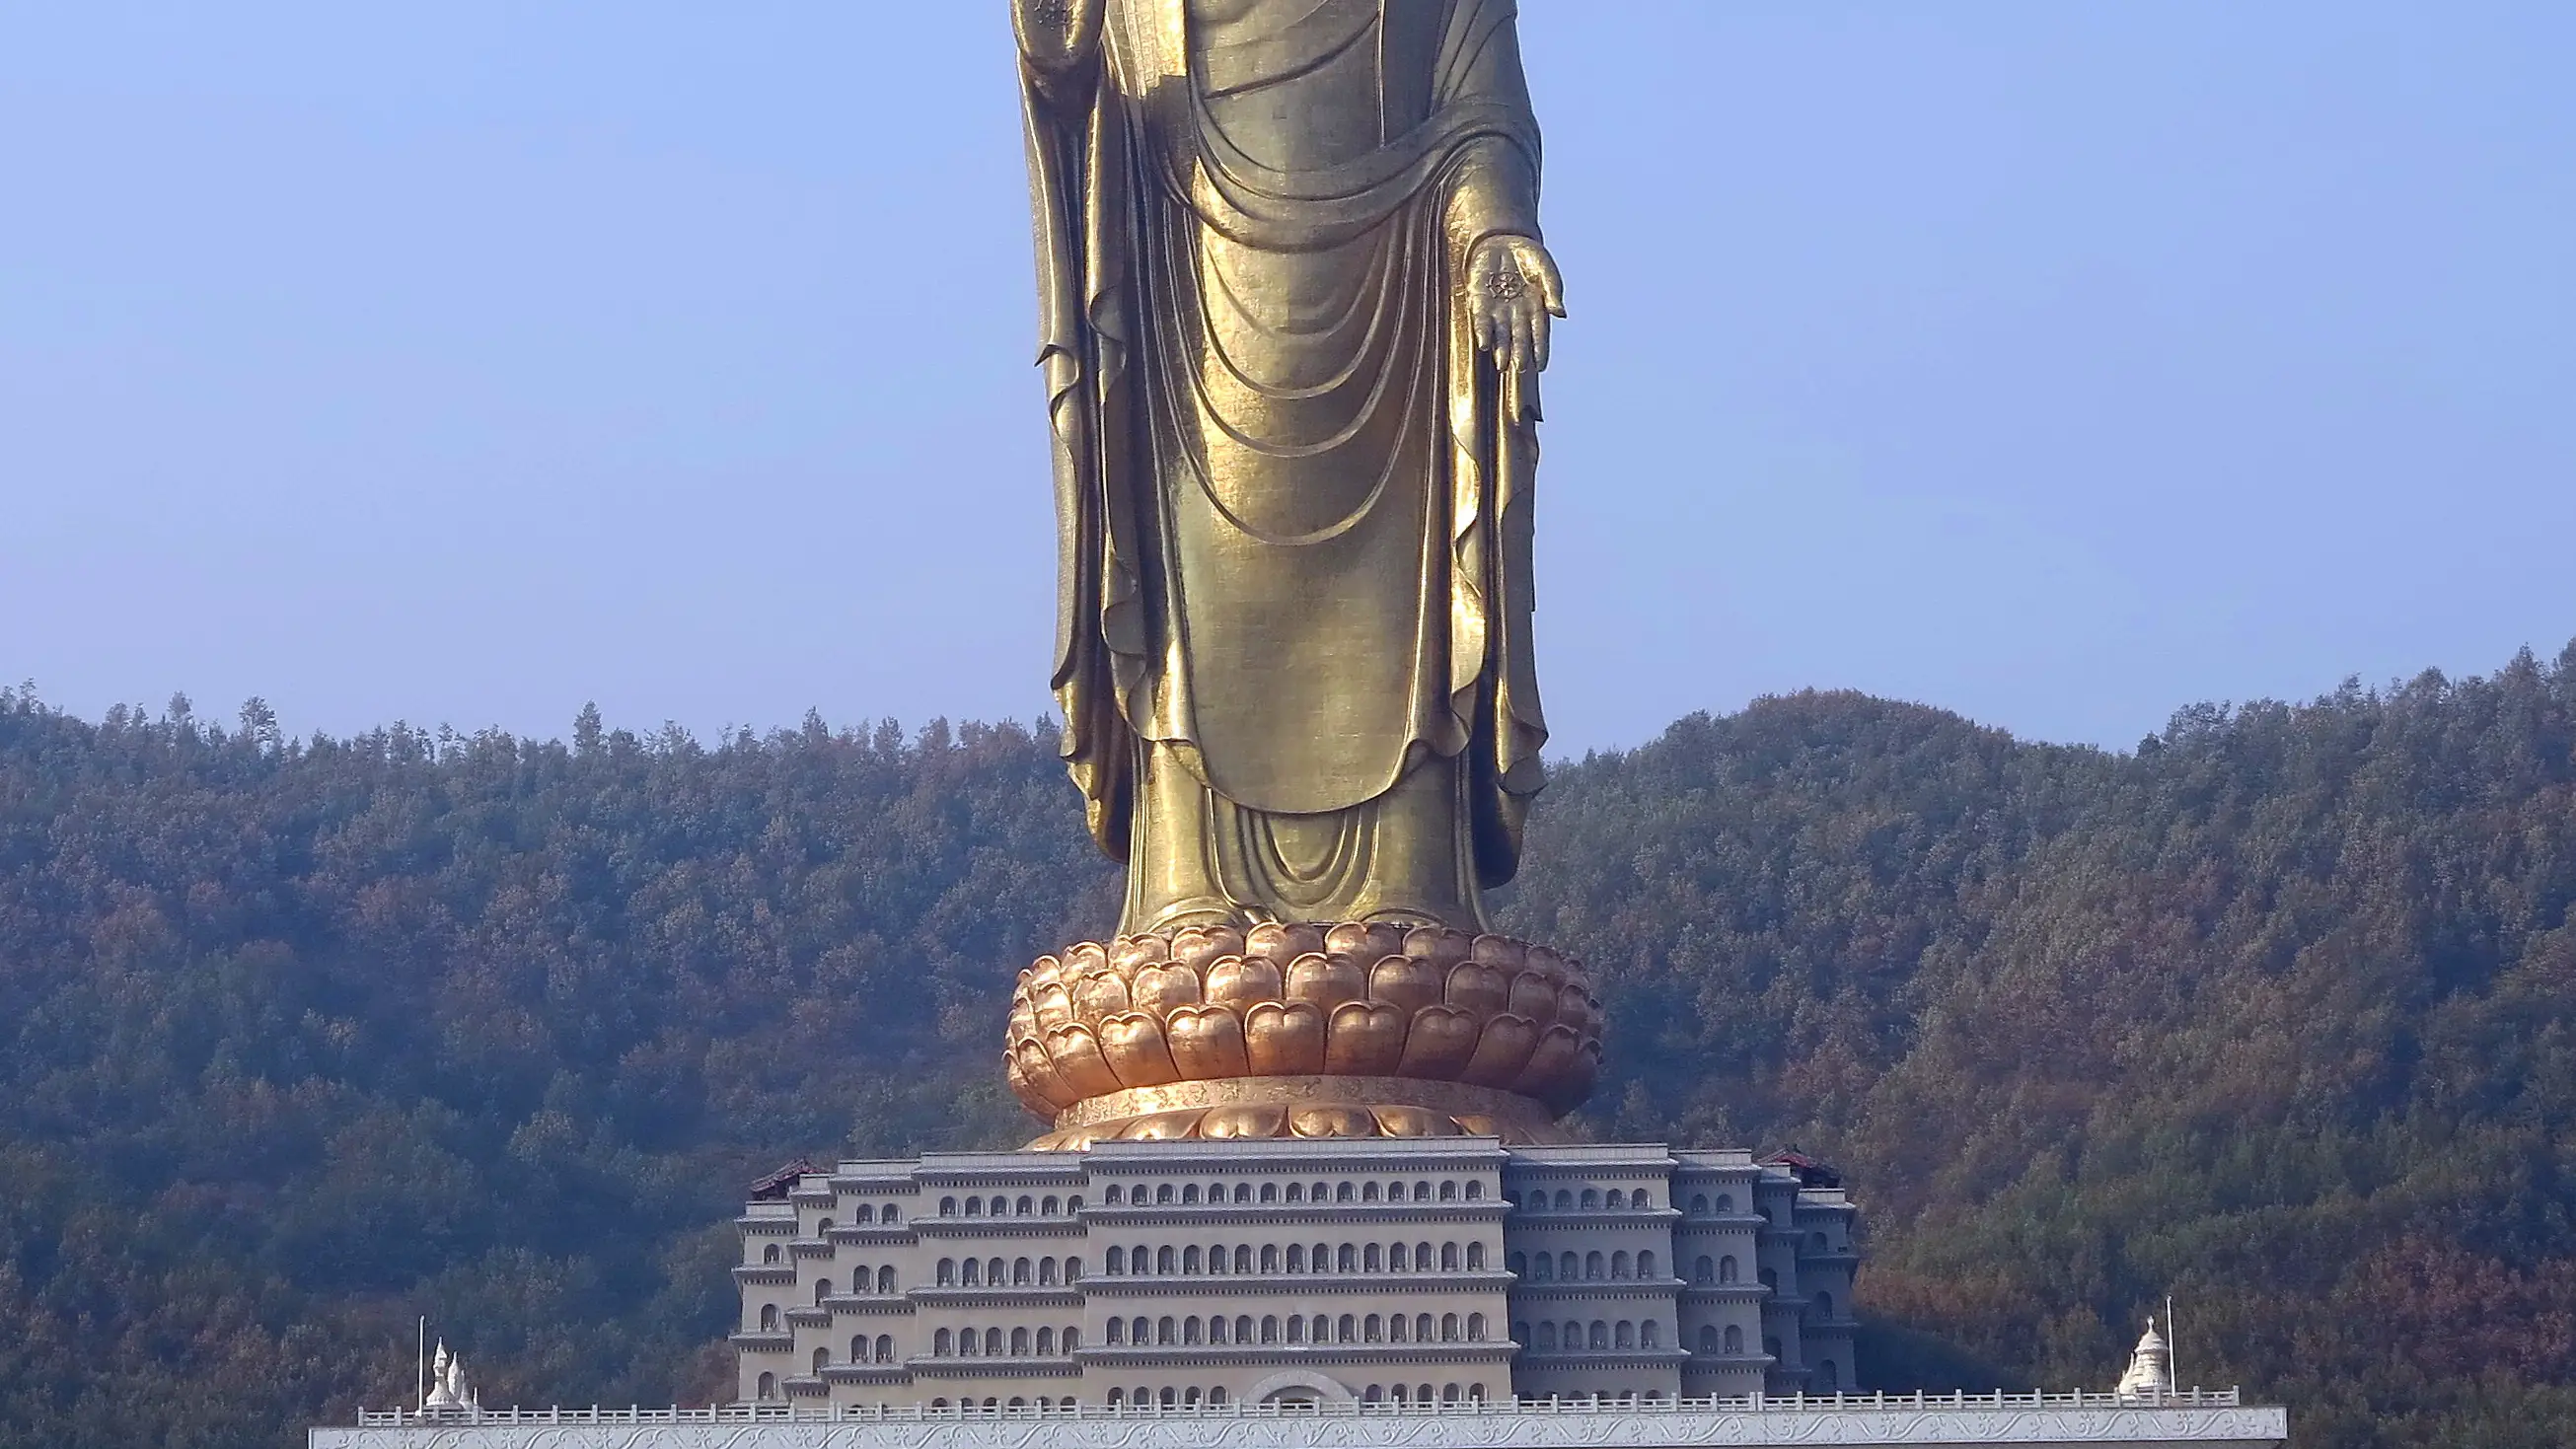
pixel 1534 996
pixel 1160 988
pixel 1332 1122
pixel 1133 1042
pixel 1207 1043
pixel 1245 1119
pixel 1282 942
pixel 1502 1049
pixel 1024 1018
pixel 1078 1060
pixel 1044 971
pixel 1163 1126
pixel 1132 954
pixel 1440 1042
pixel 1196 946
pixel 1085 956
pixel 1405 981
pixel 1574 1008
pixel 1480 989
pixel 1363 939
pixel 1414 1122
pixel 1326 981
pixel 1244 980
pixel 1038 1070
pixel 1500 952
pixel 1020 1088
pixel 1100 996
pixel 1439 945
pixel 1594 1019
pixel 1053 1006
pixel 1549 1063
pixel 1364 1039
pixel 1284 1039
pixel 1579 1079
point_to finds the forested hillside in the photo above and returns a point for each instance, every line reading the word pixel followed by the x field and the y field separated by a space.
pixel 2276 1013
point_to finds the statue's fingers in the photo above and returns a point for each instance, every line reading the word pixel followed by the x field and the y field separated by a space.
pixel 1523 350
pixel 1539 267
pixel 1538 340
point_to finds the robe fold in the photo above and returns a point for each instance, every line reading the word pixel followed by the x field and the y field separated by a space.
pixel 1293 650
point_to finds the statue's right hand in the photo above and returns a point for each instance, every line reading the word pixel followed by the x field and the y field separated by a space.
pixel 1057 32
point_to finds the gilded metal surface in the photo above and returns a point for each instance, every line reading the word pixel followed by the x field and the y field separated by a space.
pixel 1308 1107
pixel 1451 1098
pixel 1293 305
pixel 1354 1016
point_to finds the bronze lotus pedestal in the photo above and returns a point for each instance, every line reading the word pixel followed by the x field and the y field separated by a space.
pixel 1308 1030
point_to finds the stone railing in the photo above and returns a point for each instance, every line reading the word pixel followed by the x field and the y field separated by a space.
pixel 853 1413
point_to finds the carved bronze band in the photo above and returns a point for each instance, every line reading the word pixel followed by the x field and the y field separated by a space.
pixel 1455 1099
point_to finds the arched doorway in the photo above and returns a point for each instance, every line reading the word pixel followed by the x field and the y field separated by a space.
pixel 1298 1386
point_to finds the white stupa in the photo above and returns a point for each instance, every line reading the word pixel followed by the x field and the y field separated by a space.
pixel 2150 1374
pixel 448 1390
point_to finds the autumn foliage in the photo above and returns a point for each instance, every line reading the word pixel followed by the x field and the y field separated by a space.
pixel 2275 1013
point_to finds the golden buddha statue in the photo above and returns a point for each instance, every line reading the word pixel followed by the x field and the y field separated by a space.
pixel 1293 305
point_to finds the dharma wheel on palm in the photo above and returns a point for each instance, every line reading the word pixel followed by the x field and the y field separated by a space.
pixel 1310 1030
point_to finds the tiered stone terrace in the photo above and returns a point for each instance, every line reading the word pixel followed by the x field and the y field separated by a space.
pixel 1441 1270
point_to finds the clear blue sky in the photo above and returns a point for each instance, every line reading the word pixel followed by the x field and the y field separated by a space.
pixel 2055 363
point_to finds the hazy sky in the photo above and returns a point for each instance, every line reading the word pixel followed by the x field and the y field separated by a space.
pixel 2055 363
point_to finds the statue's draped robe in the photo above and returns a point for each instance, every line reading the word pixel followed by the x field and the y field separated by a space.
pixel 1293 653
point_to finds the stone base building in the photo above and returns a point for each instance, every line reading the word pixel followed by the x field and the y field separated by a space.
pixel 1372 1270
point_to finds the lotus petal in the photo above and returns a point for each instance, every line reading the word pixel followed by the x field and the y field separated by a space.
pixel 1076 1054
pixel 1132 954
pixel 1045 971
pixel 1020 1088
pixel 1441 1041
pixel 1038 1070
pixel 1364 940
pixel 1480 989
pixel 1365 1039
pixel 1196 946
pixel 1439 945
pixel 1541 958
pixel 1500 952
pixel 1133 1042
pixel 1549 1063
pixel 1332 1122
pixel 1053 1005
pixel 1280 943
pixel 1414 1122
pixel 1579 1078
pixel 1099 996
pixel 1534 996
pixel 1502 1049
pixel 1326 981
pixel 1574 1008
pixel 1024 1018
pixel 1406 982
pixel 1160 988
pixel 1207 1043
pixel 1284 1039
pixel 1244 1119
pixel 1163 1126
pixel 1244 980
pixel 1085 956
